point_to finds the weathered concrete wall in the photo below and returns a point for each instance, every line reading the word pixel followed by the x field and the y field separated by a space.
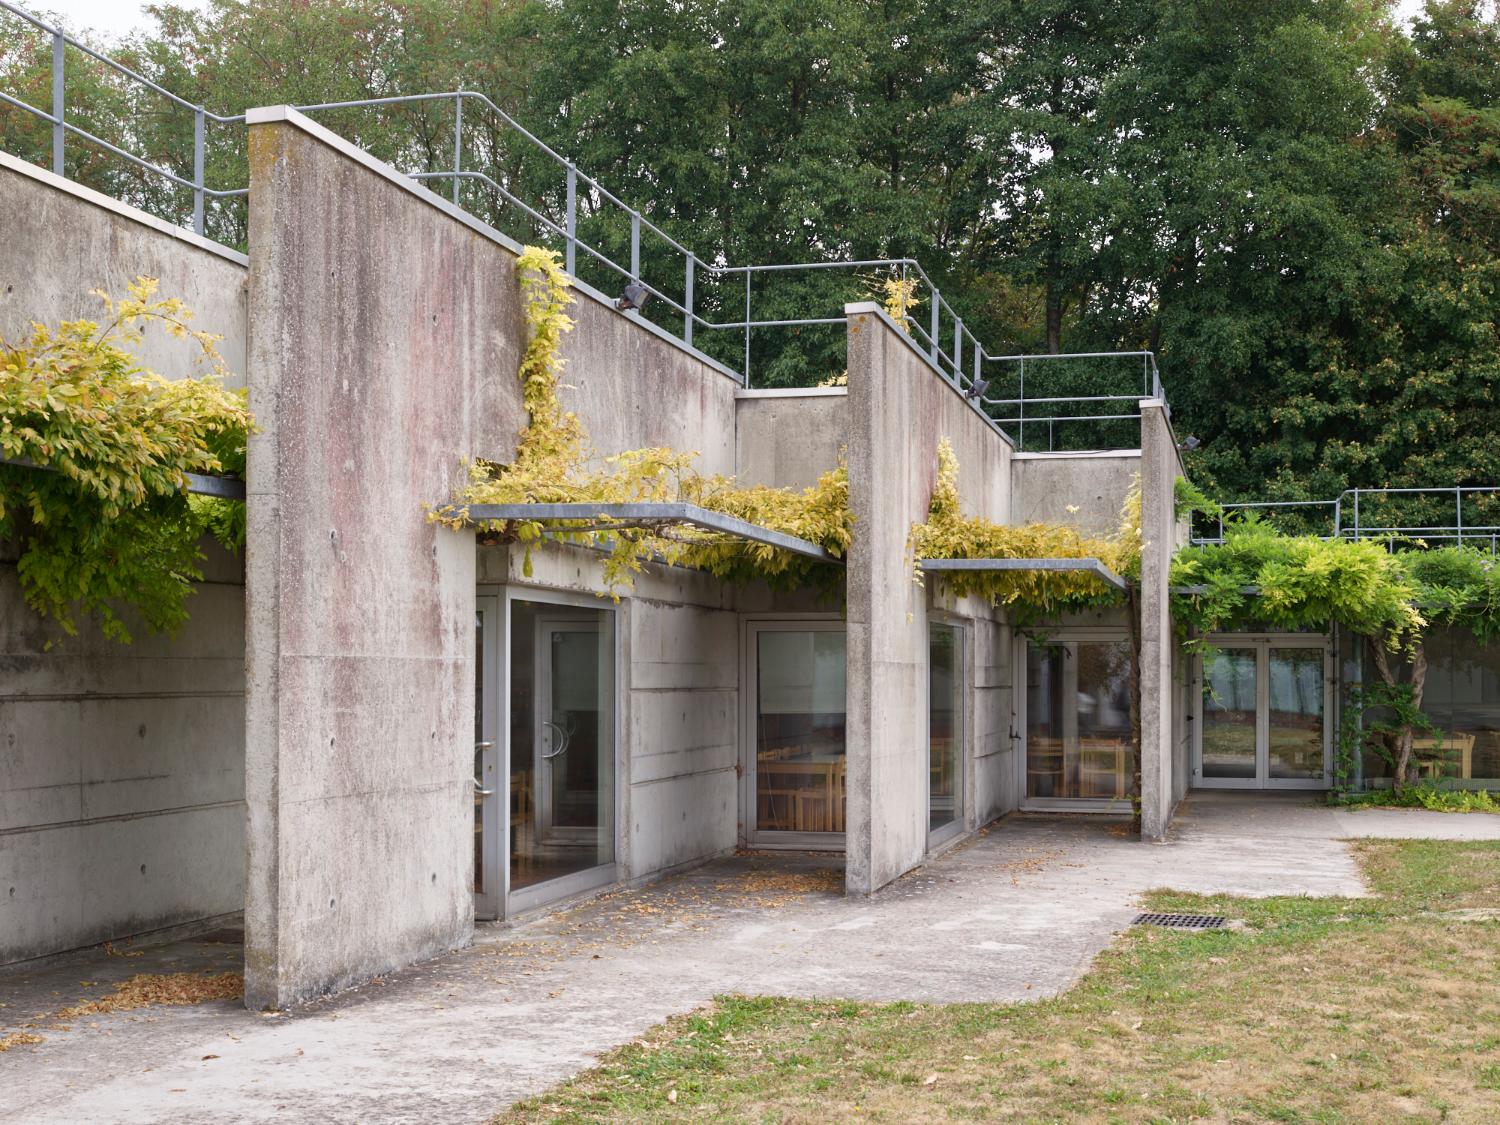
pixel 386 327
pixel 121 771
pixel 380 332
pixel 59 241
pixel 121 767
pixel 788 439
pixel 1160 468
pixel 1046 485
pixel 899 409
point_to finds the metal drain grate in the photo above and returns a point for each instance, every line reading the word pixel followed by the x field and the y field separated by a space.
pixel 1181 921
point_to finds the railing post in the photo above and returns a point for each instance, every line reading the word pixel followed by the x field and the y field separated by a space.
pixel 958 351
pixel 58 132
pixel 932 337
pixel 458 142
pixel 1356 513
pixel 635 246
pixel 978 369
pixel 687 300
pixel 1458 503
pixel 746 373
pixel 570 222
pixel 198 170
pixel 1021 400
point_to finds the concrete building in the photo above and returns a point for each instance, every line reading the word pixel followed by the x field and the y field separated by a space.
pixel 375 729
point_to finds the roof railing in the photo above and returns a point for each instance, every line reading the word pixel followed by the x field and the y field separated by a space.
pixel 1366 513
pixel 951 347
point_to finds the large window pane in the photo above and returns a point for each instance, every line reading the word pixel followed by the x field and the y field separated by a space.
pixel 1078 741
pixel 944 726
pixel 562 747
pixel 1295 722
pixel 1462 698
pixel 799 730
pixel 1229 713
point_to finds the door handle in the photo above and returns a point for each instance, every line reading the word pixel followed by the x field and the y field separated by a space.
pixel 480 790
pixel 561 737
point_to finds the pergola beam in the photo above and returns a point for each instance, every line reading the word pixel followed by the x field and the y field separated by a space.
pixel 641 514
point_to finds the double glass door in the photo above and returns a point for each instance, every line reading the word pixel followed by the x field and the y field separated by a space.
pixel 1263 716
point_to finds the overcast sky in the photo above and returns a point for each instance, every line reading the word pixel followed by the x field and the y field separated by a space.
pixel 116 17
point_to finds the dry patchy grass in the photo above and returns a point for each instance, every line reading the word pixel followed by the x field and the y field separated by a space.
pixel 1318 1010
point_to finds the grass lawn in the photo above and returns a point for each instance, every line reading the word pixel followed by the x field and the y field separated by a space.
pixel 1384 1009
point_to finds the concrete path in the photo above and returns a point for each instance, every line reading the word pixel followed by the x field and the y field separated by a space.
pixel 1017 914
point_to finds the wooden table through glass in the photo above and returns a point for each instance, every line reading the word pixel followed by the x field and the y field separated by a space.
pixel 811 785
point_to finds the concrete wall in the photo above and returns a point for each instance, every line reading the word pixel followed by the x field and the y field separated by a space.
pixel 1046 485
pixel 385 330
pixel 899 409
pixel 1160 467
pixel 121 772
pixel 121 767
pixel 60 240
pixel 788 439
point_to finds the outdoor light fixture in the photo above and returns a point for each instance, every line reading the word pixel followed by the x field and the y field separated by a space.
pixel 635 297
pixel 1189 443
pixel 977 388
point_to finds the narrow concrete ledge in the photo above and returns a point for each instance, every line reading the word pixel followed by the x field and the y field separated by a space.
pixel 114 206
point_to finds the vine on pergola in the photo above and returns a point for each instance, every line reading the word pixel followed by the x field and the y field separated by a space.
pixel 111 524
pixel 555 463
pixel 1260 579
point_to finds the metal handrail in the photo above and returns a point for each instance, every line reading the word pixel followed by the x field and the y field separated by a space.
pixel 1348 502
pixel 962 363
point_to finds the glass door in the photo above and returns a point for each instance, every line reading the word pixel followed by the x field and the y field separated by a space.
pixel 1079 748
pixel 795 791
pixel 1262 714
pixel 488 879
pixel 945 731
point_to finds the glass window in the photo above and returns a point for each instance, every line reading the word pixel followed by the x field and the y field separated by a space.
pixel 562 745
pixel 1462 698
pixel 799 730
pixel 1229 710
pixel 944 725
pixel 1078 741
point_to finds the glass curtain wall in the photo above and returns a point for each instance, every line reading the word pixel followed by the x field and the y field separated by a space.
pixel 1078 740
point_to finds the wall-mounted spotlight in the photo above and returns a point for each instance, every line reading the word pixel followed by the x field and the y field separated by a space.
pixel 635 297
pixel 1189 443
pixel 977 388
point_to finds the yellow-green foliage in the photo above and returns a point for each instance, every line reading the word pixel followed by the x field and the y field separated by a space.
pixel 1031 595
pixel 555 464
pixel 112 523
pixel 900 296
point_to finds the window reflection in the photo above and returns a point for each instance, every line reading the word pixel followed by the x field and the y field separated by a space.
pixel 1078 740
pixel 799 733
pixel 944 726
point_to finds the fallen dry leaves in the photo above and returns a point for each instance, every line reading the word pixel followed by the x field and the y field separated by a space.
pixel 147 990
pixel 18 1039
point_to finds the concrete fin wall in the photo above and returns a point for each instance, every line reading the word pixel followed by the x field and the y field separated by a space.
pixel 788 439
pixel 380 333
pixel 1160 468
pixel 121 767
pixel 899 409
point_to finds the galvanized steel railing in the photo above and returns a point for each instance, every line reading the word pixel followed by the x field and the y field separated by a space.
pixel 1366 513
pixel 964 362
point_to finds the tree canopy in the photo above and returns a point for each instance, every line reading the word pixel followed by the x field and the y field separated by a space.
pixel 1294 203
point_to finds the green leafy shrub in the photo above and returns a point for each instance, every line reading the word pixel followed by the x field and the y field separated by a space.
pixel 103 519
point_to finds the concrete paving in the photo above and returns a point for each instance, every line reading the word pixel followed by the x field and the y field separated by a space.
pixel 1017 914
